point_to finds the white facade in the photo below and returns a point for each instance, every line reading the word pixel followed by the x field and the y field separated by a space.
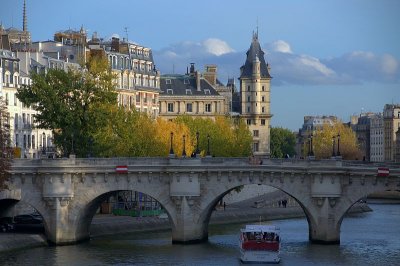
pixel 376 139
pixel 28 139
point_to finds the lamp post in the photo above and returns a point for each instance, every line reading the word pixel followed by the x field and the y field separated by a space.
pixel 312 152
pixel 197 143
pixel 184 144
pixel 333 146
pixel 338 144
pixel 171 150
pixel 208 145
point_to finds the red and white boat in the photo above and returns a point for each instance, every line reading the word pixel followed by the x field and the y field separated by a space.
pixel 260 244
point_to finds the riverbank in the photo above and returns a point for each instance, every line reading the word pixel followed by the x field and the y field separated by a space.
pixel 110 224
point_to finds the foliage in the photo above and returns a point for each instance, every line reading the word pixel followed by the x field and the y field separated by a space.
pixel 72 103
pixel 228 137
pixel 129 134
pixel 323 142
pixel 283 142
pixel 6 151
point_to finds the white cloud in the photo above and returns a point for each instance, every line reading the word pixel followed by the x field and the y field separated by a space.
pixel 389 64
pixel 279 46
pixel 286 67
pixel 217 47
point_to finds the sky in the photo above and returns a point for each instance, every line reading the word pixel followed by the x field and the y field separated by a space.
pixel 331 57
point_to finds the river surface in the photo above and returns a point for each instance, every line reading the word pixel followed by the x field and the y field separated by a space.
pixel 371 238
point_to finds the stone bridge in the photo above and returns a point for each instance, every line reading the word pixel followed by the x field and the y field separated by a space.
pixel 67 192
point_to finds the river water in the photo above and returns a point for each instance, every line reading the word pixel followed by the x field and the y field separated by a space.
pixel 371 238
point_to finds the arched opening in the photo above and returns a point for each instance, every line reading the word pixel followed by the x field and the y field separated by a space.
pixel 265 204
pixel 122 211
pixel 18 216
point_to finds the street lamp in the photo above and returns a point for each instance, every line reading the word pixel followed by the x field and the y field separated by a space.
pixel 197 143
pixel 312 152
pixel 338 144
pixel 171 150
pixel 208 145
pixel 184 144
pixel 333 146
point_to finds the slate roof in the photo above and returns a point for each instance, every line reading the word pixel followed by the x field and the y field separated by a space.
pixel 254 50
pixel 180 84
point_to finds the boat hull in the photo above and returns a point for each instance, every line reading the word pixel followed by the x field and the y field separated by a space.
pixel 259 256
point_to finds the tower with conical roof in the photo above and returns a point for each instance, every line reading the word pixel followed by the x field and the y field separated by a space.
pixel 255 97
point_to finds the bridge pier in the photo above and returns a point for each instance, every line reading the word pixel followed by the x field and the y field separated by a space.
pixel 188 227
pixel 325 227
pixel 59 228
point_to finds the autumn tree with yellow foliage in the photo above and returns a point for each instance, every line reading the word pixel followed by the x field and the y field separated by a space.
pixel 325 139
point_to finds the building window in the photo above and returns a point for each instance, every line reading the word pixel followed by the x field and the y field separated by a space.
pixel 263 99
pixel 255 133
pixel 263 122
pixel 207 91
pixel 170 107
pixel 248 121
pixel 170 91
pixel 248 98
pixel 189 107
pixel 255 146
pixel 263 88
pixel 167 81
pixel 248 109
pixel 188 91
pixel 186 81
pixel 263 109
pixel 248 88
pixel 33 142
pixel 208 107
pixel 15 99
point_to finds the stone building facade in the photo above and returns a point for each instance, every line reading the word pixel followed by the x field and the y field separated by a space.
pixel 138 80
pixel 255 82
pixel 376 138
pixel 391 120
pixel 189 94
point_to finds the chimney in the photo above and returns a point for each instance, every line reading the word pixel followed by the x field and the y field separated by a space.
pixel 197 74
pixel 211 74
pixel 191 68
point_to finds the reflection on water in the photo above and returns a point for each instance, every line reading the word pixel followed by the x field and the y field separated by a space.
pixel 366 239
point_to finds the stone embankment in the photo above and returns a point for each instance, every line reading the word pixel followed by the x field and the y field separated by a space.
pixel 265 207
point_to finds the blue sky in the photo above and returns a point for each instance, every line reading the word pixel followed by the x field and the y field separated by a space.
pixel 327 57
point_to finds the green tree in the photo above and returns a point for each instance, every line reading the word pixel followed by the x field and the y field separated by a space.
pixel 129 134
pixel 323 142
pixel 283 142
pixel 6 151
pixel 72 103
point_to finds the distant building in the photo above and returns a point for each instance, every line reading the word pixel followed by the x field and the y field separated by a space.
pixel 311 124
pixel 363 134
pixel 190 94
pixel 255 97
pixel 29 141
pixel 397 155
pixel 16 39
pixel 376 138
pixel 138 80
pixel 391 119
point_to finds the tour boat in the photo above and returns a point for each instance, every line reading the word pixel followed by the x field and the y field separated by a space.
pixel 260 244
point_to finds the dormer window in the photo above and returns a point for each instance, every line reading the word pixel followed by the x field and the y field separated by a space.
pixel 207 91
pixel 185 81
pixel 170 91
pixel 188 91
pixel 167 81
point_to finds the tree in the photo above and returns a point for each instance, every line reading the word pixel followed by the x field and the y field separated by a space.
pixel 72 103
pixel 323 142
pixel 6 151
pixel 283 142
pixel 129 134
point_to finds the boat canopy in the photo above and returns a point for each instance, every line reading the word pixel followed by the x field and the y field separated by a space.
pixel 260 228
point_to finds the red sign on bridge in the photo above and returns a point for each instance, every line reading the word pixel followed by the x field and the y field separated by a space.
pixel 121 169
pixel 383 171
